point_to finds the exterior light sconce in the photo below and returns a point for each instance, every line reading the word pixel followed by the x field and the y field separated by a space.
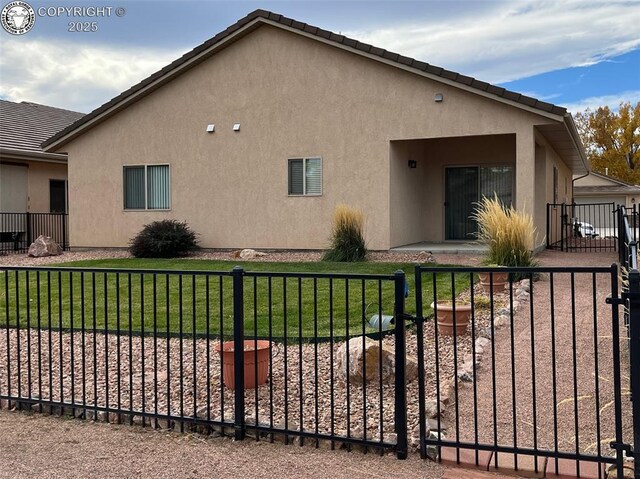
pixel 211 128
pixel 236 127
pixel 412 163
pixel 439 97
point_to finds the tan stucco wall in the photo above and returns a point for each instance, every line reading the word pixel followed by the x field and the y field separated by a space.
pixel 546 160
pixel 38 175
pixel 293 97
pixel 593 180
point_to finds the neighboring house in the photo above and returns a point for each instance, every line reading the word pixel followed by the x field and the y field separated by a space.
pixel 256 135
pixel 32 180
pixel 598 188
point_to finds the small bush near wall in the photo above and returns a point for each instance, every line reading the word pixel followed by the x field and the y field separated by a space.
pixel 347 236
pixel 163 239
pixel 508 233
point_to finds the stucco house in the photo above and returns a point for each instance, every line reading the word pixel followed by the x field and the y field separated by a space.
pixel 256 135
pixel 31 179
pixel 599 188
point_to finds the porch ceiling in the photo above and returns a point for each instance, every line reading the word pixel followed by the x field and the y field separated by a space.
pixel 560 138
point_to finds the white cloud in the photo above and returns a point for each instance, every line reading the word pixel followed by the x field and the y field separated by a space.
pixel 517 40
pixel 68 76
pixel 612 101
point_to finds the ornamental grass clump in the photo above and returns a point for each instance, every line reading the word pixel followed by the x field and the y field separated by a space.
pixel 164 239
pixel 347 237
pixel 509 234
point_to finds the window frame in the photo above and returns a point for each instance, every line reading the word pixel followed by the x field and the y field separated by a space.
pixel 146 198
pixel 304 160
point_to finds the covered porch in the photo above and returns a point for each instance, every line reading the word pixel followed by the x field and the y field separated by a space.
pixel 436 182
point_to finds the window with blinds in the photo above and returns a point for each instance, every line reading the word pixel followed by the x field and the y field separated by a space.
pixel 146 187
pixel 305 177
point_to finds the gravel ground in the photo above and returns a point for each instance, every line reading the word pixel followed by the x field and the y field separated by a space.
pixel 105 355
pixel 44 447
pixel 277 256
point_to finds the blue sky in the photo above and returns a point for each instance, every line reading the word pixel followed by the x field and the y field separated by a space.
pixel 576 54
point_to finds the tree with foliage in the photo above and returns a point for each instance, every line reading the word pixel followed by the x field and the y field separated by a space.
pixel 612 140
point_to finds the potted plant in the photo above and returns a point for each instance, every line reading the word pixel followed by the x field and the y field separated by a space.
pixel 255 351
pixel 493 280
pixel 447 311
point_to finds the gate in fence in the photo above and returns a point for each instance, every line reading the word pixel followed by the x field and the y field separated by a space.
pixel 582 227
pixel 539 377
pixel 537 385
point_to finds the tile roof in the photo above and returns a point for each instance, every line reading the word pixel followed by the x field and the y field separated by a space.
pixel 324 35
pixel 24 126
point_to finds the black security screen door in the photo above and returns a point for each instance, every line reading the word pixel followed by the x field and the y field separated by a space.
pixel 461 192
pixel 464 187
pixel 57 196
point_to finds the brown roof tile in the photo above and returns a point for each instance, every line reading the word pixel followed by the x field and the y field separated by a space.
pixel 24 126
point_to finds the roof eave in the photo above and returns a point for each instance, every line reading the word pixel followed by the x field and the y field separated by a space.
pixel 17 154
pixel 253 21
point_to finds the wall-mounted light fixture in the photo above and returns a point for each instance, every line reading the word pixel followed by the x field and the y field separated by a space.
pixel 211 128
pixel 438 97
pixel 412 163
pixel 236 127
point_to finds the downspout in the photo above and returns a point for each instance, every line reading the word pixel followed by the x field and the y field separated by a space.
pixel 573 200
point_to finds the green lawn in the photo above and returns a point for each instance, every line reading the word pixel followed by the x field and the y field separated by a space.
pixel 198 299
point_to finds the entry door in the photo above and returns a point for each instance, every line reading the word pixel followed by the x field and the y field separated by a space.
pixel 464 187
pixel 461 192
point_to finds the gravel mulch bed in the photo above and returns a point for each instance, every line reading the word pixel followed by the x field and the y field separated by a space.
pixel 276 256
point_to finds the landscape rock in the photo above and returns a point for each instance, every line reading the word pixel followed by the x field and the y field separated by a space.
pixel 431 408
pixel 368 356
pixel 448 391
pixel 44 246
pixel 425 257
pixel 249 254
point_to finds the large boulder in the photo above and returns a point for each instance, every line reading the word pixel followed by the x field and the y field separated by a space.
pixel 367 356
pixel 44 246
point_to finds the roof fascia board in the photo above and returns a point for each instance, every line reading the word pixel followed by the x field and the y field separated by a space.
pixel 170 75
pixel 43 157
pixel 577 142
pixel 410 69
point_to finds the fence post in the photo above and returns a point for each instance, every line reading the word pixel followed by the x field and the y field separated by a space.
pixel 401 353
pixel 29 232
pixel 634 361
pixel 238 351
pixel 64 218
pixel 563 219
pixel 548 224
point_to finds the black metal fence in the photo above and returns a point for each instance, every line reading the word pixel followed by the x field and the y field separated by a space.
pixel 529 365
pixel 537 373
pixel 582 227
pixel 19 230
pixel 275 355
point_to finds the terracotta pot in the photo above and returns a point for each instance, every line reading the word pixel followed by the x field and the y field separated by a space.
pixel 445 318
pixel 499 281
pixel 251 380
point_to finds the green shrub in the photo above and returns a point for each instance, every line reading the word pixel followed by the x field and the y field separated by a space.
pixel 509 234
pixel 163 239
pixel 347 237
